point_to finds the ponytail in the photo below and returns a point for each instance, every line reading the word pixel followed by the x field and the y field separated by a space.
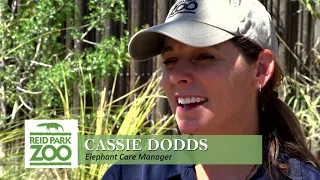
pixel 281 130
pixel 282 134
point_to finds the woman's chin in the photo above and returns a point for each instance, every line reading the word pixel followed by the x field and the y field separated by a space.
pixel 189 128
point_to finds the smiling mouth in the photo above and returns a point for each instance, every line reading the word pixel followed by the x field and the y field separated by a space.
pixel 191 102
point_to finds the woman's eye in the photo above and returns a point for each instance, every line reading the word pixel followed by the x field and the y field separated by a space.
pixel 204 57
pixel 169 62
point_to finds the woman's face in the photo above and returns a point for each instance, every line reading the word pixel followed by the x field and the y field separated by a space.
pixel 210 90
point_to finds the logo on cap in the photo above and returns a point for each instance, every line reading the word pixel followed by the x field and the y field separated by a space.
pixel 184 6
pixel 235 3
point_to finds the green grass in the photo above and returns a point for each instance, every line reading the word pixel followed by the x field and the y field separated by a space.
pixel 128 119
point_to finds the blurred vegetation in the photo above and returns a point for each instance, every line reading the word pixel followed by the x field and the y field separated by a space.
pixel 39 70
pixel 311 6
pixel 33 52
pixel 108 119
pixel 302 90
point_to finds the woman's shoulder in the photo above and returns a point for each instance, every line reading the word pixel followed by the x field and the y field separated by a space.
pixel 146 172
pixel 300 169
pixel 297 170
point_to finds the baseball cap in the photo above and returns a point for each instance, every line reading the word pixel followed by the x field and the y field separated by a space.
pixel 204 23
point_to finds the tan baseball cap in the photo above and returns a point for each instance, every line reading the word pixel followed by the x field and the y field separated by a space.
pixel 203 23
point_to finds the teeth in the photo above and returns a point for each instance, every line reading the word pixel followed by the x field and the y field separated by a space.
pixel 190 100
pixel 187 101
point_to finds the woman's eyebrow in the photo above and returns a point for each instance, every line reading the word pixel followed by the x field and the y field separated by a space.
pixel 166 49
pixel 216 47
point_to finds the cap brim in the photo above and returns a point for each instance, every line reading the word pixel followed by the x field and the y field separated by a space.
pixel 149 42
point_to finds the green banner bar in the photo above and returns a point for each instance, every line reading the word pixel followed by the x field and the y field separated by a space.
pixel 171 149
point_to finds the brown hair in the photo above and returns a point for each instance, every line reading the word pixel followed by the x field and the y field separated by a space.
pixel 280 128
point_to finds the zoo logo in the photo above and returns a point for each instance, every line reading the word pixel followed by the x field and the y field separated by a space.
pixel 184 7
pixel 51 144
pixel 52 140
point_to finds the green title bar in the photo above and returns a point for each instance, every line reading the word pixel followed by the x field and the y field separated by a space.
pixel 171 149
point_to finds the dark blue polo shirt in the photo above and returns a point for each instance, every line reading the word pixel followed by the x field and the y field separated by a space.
pixel 298 171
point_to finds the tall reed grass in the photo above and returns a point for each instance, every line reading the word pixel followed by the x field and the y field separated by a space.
pixel 131 118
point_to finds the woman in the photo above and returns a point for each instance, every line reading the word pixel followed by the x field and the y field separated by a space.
pixel 220 74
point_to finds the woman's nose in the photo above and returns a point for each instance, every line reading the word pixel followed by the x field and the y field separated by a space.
pixel 181 74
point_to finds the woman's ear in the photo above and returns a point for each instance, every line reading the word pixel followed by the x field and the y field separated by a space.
pixel 265 67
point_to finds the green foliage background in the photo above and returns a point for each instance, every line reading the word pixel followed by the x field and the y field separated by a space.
pixel 39 71
pixel 34 51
